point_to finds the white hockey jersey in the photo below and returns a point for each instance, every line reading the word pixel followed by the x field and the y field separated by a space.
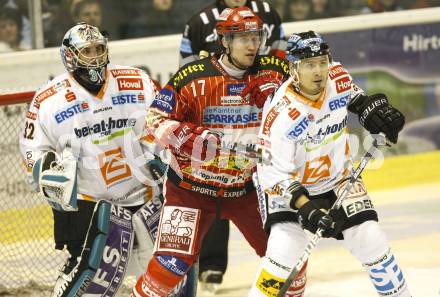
pixel 101 130
pixel 307 140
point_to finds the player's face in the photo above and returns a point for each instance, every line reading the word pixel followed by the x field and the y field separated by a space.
pixel 92 55
pixel 312 74
pixel 244 47
pixel 235 3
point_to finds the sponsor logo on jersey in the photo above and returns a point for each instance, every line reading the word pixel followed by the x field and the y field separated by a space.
pixel 299 128
pixel 124 99
pixel 231 115
pixel 173 264
pixel 50 92
pixel 104 127
pixel 130 84
pixel 272 60
pixel 231 100
pixel 337 71
pixel 71 111
pixel 70 96
pixel 178 228
pixel 31 115
pixel 355 207
pixel 125 72
pixel 268 283
pixel 234 89
pixel 339 102
pixel 102 109
pixel 141 97
pixel 185 71
pixel 165 101
pixel 343 84
pixel 273 113
pixel 330 129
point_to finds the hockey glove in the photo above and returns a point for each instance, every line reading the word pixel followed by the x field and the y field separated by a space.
pixel 56 178
pixel 195 142
pixel 311 217
pixel 377 115
pixel 259 90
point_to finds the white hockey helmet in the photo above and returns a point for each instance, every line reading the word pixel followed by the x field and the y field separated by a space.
pixel 85 48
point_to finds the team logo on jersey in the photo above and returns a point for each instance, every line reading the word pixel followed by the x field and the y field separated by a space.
pixel 231 115
pixel 343 84
pixel 336 71
pixel 178 229
pixel 71 111
pixel 316 170
pixel 124 99
pixel 130 84
pixel 165 101
pixel 125 72
pixel 339 102
pixel 114 169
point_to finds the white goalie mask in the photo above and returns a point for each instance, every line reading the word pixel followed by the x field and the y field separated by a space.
pixel 84 49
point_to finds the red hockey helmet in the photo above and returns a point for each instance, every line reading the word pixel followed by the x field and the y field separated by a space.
pixel 238 20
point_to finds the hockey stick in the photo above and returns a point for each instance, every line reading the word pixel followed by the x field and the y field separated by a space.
pixel 379 140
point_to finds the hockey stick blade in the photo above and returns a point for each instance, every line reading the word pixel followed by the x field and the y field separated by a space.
pixel 379 140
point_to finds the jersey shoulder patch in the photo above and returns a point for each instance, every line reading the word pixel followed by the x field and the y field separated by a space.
pixel 336 70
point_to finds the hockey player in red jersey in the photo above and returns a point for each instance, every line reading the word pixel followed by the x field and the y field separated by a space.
pixel 210 102
pixel 304 128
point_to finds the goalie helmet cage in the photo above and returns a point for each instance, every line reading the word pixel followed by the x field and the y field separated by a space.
pixel 27 250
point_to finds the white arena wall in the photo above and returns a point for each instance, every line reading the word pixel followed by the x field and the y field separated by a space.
pixel 26 71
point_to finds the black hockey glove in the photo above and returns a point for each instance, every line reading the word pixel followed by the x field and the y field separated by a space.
pixel 311 217
pixel 377 115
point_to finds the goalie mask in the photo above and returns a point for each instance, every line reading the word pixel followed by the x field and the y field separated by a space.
pixel 84 52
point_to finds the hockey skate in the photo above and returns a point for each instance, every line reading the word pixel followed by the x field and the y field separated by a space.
pixel 210 281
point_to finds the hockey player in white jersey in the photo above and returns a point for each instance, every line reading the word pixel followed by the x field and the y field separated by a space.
pixel 83 154
pixel 305 130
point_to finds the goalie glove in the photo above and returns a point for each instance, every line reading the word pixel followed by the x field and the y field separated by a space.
pixel 56 177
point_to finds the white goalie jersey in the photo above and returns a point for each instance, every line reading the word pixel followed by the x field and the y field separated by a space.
pixel 102 131
pixel 307 140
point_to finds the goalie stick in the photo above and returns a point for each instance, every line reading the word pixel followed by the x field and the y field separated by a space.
pixel 379 140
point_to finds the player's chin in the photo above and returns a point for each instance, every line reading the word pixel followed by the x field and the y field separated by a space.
pixel 249 60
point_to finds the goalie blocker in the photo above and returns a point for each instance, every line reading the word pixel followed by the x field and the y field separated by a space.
pixel 117 243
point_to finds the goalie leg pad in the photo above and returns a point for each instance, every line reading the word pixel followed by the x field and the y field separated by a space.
pixel 368 243
pixel 76 281
pixel 287 241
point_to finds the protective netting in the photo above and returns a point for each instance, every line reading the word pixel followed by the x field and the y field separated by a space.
pixel 27 254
